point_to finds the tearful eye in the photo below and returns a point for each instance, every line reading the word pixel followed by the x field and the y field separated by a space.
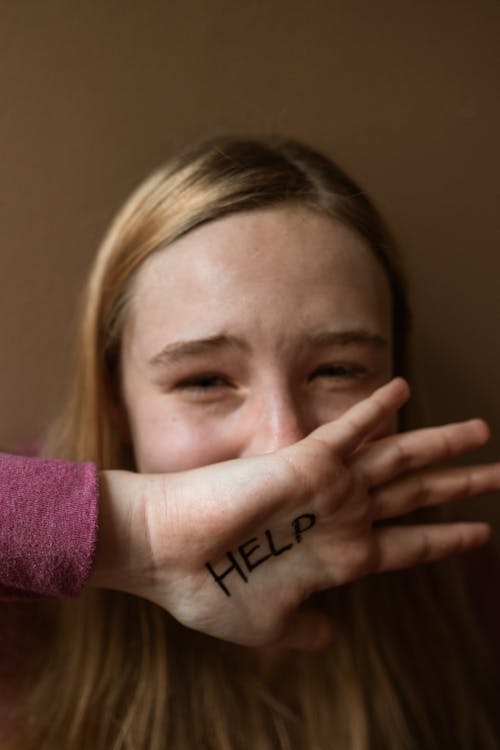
pixel 341 370
pixel 203 382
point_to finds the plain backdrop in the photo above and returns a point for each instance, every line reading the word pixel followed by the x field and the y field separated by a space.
pixel 404 95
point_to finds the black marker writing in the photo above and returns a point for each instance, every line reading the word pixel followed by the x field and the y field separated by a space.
pixel 247 551
pixel 276 552
pixel 309 520
pixel 245 554
pixel 219 577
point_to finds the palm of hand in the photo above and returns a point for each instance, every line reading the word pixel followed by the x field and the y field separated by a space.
pixel 233 549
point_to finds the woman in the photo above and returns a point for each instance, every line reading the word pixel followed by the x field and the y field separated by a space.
pixel 245 296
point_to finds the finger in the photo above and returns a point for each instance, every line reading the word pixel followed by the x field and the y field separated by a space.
pixel 388 458
pixel 360 421
pixel 308 630
pixel 424 489
pixel 402 547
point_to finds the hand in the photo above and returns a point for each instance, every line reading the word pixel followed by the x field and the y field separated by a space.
pixel 234 549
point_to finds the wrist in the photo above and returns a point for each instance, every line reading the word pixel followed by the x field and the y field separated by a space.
pixel 111 559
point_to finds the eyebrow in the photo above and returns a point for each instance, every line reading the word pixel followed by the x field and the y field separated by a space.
pixel 344 338
pixel 178 350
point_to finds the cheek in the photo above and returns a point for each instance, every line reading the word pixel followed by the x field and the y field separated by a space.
pixel 171 444
pixel 343 403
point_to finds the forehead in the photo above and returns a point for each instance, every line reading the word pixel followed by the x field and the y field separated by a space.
pixel 288 268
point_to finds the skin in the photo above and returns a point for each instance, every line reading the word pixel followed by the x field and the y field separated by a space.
pixel 270 283
pixel 284 410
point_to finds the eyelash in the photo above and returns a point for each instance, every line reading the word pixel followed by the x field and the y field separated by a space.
pixel 202 382
pixel 342 370
pixel 211 381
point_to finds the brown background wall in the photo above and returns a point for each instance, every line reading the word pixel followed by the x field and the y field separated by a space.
pixel 403 94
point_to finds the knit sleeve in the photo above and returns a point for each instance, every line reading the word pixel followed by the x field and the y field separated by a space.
pixel 48 527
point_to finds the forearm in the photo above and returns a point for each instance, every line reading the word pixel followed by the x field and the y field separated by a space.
pixel 48 526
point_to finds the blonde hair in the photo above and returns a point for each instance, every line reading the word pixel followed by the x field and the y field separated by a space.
pixel 406 669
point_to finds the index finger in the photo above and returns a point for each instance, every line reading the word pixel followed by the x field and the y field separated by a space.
pixel 356 425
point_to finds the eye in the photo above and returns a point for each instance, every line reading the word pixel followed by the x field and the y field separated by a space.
pixel 202 383
pixel 341 370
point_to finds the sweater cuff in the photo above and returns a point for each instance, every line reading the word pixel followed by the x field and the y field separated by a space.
pixel 48 526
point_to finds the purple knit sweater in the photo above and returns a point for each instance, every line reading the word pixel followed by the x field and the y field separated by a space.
pixel 48 527
pixel 48 531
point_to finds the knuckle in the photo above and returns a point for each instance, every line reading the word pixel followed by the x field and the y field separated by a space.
pixel 420 493
pixel 402 456
pixel 447 443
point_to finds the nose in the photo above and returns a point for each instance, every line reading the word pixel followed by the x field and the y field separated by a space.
pixel 278 420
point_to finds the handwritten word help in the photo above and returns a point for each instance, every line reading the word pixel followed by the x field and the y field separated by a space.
pixel 249 551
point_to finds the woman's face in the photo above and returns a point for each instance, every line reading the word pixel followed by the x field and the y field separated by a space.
pixel 247 333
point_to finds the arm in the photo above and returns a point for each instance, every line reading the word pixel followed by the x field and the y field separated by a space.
pixel 283 525
pixel 235 549
pixel 48 527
